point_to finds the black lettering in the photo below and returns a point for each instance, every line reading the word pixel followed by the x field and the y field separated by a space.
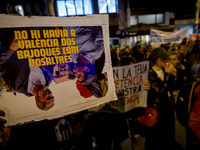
pixel 115 74
pixel 139 88
pixel 123 73
pixel 139 66
pixel 134 89
pixel 120 93
pixel 136 70
pixel 126 92
pixel 131 90
pixel 145 68
pixel 129 73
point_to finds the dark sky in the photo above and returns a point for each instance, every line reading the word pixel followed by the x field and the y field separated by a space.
pixel 167 4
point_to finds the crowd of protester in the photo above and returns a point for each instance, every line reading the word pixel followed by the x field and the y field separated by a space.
pixel 172 67
pixel 184 56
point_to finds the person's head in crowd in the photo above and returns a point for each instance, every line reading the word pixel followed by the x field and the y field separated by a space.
pixel 117 51
pixel 162 45
pixel 148 55
pixel 167 46
pixel 174 45
pixel 197 41
pixel 126 58
pixel 127 50
pixel 138 43
pixel 84 70
pixel 181 50
pixel 184 41
pixel 159 57
pixel 120 46
pixel 174 58
pixel 174 50
pixel 141 49
pixel 129 46
pixel 149 47
pixel 135 48
pixel 43 97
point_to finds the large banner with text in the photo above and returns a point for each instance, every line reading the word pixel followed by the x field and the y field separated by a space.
pixel 50 67
pixel 158 37
pixel 129 86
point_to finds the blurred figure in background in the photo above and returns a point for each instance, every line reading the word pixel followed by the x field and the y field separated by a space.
pixel 127 58
pixel 195 70
pixel 189 47
pixel 148 55
pixel 129 47
pixel 181 78
pixel 197 41
pixel 193 133
pixel 184 42
pixel 174 46
pixel 149 48
pixel 167 47
pixel 115 58
pixel 192 59
pixel 120 49
pixel 139 53
pixel 182 52
pixel 138 43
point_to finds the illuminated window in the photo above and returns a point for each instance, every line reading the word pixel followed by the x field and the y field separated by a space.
pixel 108 6
pixel 148 19
pixel 74 7
pixel 19 9
pixel 88 7
pixel 159 18
pixel 62 8
pixel 151 18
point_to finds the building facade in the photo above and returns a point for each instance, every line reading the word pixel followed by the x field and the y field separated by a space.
pixel 122 13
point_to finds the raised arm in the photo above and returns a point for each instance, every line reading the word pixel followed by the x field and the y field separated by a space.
pixel 6 53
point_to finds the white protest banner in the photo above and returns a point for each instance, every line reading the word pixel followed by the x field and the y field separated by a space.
pixel 158 36
pixel 129 86
pixel 53 66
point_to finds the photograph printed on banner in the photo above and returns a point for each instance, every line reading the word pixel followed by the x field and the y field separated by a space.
pixel 33 58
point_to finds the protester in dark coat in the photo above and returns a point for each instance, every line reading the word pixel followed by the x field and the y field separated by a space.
pixel 161 78
pixel 182 75
pixel 192 59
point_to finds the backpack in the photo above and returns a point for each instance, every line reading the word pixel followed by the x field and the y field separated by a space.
pixel 185 102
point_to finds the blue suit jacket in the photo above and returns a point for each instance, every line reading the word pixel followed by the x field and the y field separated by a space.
pixel 15 72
